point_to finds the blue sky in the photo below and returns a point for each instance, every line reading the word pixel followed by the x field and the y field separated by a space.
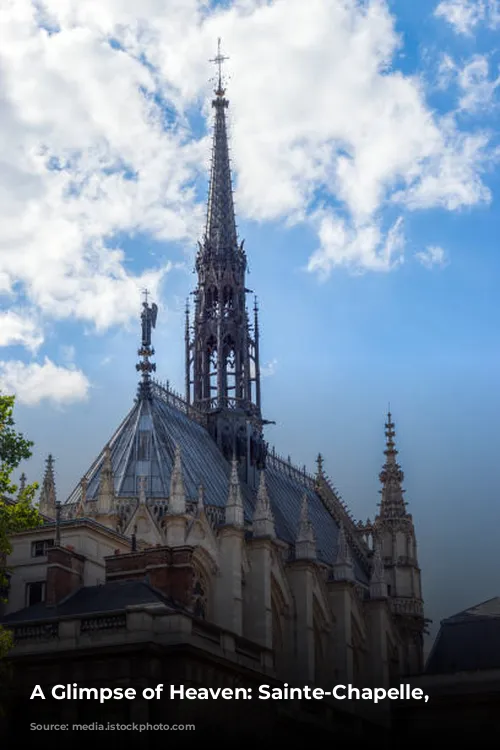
pixel 365 152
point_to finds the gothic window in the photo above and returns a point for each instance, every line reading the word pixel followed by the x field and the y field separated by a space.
pixel 212 364
pixel 212 299
pixel 318 654
pixel 277 636
pixel 230 358
pixel 199 596
pixel 320 635
pixel 228 299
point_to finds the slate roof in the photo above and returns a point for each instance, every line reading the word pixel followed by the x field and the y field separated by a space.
pixel 468 641
pixel 110 597
pixel 161 424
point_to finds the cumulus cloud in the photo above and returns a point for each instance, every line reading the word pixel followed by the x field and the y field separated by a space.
pixel 20 329
pixel 477 86
pixel 432 257
pixel 466 15
pixel 34 382
pixel 364 248
pixel 95 103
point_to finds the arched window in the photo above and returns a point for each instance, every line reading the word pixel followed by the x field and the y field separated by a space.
pixel 321 657
pixel 200 595
pixel 358 654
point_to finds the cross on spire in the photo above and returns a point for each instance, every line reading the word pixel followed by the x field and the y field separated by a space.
pixel 218 61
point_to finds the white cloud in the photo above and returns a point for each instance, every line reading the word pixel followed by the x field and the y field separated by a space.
pixel 473 80
pixel 269 369
pixel 316 111
pixel 19 329
pixel 34 382
pixel 466 15
pixel 477 87
pixel 364 248
pixel 454 180
pixel 68 354
pixel 432 256
pixel 447 71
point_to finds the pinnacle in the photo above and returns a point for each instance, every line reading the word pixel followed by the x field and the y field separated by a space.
pixel 343 550
pixel 263 520
pixel 305 531
pixel 391 477
pixel 177 500
pixel 234 506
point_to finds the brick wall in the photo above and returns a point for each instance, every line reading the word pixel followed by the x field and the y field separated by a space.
pixel 64 573
pixel 170 570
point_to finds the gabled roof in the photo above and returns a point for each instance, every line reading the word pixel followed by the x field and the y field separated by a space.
pixel 144 445
pixel 468 641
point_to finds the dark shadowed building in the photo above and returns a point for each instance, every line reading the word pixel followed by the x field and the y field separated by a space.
pixel 462 677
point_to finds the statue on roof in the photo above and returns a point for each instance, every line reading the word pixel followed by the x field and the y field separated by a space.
pixel 148 319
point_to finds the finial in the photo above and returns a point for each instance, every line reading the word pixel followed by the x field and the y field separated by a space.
pixel 218 61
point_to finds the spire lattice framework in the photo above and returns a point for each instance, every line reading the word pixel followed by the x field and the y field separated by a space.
pixel 222 346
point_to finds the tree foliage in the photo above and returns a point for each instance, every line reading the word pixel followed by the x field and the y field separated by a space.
pixel 22 514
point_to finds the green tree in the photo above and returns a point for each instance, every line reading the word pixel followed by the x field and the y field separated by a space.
pixel 21 515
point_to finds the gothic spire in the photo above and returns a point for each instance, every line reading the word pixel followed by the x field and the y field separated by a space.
pixel 48 492
pixel 319 472
pixel 146 351
pixel 263 519
pixel 220 230
pixel 177 499
pixel 81 505
pixel 391 477
pixel 305 543
pixel 234 506
pixel 106 492
pixel 222 374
